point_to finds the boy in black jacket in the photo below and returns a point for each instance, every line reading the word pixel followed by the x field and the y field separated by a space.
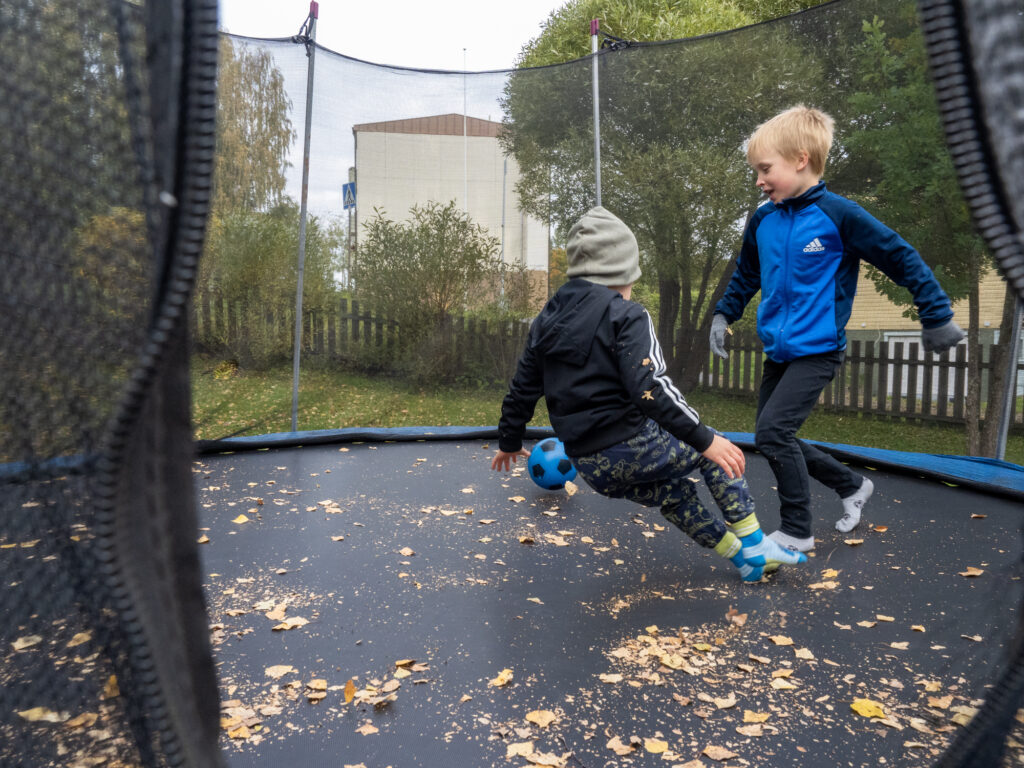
pixel 593 355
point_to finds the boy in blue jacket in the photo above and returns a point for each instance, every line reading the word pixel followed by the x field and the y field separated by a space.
pixel 802 250
pixel 592 354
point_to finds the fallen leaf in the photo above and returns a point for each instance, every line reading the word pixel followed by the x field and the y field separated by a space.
pixel 293 622
pixel 84 720
pixel 406 552
pixel 350 691
pixel 881 528
pixel 917 628
pixel 718 753
pixel 973 638
pixel 781 640
pixel 519 749
pixel 750 730
pixel 971 572
pixel 42 715
pixel 853 542
pixel 541 717
pixel 615 745
pixel 204 539
pixel 781 684
pixel 867 708
pixel 79 639
pixel 829 573
pixel 366 729
pixel 655 746
pixel 278 671
pixel 610 677
pixel 749 716
pixel 902 646
pixel 880 617
pixel 26 642
pixel 726 703
pixel 240 519
pixel 940 702
pixel 804 653
pixel 536 600
pixel 503 678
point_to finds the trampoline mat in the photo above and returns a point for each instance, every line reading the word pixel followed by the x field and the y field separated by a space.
pixel 400 604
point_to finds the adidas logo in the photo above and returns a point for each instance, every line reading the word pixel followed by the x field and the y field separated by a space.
pixel 814 246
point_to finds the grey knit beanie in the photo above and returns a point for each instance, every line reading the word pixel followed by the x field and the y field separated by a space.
pixel 603 250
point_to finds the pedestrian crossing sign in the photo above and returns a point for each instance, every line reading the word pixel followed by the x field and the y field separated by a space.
pixel 348 194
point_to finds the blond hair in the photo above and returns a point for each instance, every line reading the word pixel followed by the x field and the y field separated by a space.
pixel 797 129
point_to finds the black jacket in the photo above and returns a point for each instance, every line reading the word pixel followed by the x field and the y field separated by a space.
pixel 595 359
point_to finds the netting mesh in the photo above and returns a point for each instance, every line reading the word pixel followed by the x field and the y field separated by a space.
pixel 84 661
pixel 513 154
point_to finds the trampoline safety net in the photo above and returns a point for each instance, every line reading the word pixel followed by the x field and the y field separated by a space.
pixel 105 151
pixel 112 115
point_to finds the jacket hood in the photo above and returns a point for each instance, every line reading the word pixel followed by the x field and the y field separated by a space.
pixel 565 327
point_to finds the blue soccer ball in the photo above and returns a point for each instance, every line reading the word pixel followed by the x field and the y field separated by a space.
pixel 548 465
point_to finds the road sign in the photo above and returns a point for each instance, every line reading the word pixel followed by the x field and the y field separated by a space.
pixel 348 194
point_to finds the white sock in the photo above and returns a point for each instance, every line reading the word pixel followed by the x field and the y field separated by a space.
pixel 786 541
pixel 852 506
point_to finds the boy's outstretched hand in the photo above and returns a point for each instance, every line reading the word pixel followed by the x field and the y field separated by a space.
pixel 502 459
pixel 726 455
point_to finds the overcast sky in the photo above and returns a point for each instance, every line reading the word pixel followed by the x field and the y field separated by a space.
pixel 408 33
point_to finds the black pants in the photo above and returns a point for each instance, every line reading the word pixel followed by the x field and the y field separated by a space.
pixel 788 393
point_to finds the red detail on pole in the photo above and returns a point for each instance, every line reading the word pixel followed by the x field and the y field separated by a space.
pixel 314 9
pixel 594 24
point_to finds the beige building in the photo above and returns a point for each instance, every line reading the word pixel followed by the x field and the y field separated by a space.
pixel 402 163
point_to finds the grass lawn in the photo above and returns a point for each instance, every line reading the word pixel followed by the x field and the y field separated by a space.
pixel 229 402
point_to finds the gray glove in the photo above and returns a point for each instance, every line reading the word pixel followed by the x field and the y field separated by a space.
pixel 719 326
pixel 939 339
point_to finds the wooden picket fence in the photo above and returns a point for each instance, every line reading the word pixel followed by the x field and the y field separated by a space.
pixel 884 378
pixel 894 379
pixel 353 333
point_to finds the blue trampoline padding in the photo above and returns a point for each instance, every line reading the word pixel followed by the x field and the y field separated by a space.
pixel 990 475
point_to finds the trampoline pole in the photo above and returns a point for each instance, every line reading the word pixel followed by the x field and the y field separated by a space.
pixel 309 39
pixel 1010 391
pixel 597 112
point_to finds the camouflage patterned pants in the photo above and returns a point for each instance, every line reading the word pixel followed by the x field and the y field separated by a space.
pixel 651 469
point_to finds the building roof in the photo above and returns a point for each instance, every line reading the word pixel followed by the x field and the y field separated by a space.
pixel 435 125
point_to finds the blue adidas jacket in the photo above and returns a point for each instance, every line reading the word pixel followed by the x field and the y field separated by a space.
pixel 804 254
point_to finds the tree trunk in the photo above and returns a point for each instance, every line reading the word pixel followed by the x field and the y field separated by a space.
pixel 972 408
pixel 668 313
pixel 1000 359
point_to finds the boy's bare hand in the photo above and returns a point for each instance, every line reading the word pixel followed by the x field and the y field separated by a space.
pixel 726 455
pixel 501 460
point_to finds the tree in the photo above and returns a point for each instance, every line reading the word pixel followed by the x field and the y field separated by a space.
pixel 252 264
pixel 423 270
pixel 254 131
pixel 673 122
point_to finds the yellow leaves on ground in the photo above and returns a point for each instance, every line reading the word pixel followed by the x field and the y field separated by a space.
pixel 655 746
pixel 749 716
pixel 610 677
pixel 26 642
pixel 541 717
pixel 292 622
pixel 367 729
pixel 43 715
pixel 867 708
pixel 278 671
pixel 240 519
pixel 504 678
pixel 350 691
pixel 615 745
pixel 718 753
pixel 781 640
pixel 971 572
